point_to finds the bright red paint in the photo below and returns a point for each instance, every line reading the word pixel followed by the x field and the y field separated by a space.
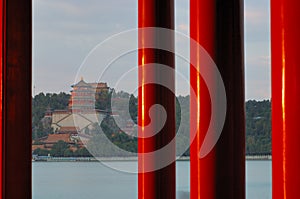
pixel 285 42
pixel 218 27
pixel 202 30
pixel 160 183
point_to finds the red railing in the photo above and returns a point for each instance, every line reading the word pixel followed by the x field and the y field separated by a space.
pixel 285 42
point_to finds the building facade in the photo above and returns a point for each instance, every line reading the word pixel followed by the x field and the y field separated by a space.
pixel 81 112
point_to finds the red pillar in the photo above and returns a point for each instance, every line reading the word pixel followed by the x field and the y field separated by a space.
pixel 158 184
pixel 218 27
pixel 285 42
pixel 1 88
pixel 16 98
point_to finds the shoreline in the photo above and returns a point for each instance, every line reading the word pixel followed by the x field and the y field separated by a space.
pixel 111 159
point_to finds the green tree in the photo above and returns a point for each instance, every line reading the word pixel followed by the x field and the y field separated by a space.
pixel 59 148
pixel 68 153
pixel 258 126
pixel 40 104
pixel 41 152
pixel 133 108
pixel 103 100
pixel 82 152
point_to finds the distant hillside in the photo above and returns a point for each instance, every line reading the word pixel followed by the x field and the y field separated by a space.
pixel 40 103
pixel 258 126
pixel 258 120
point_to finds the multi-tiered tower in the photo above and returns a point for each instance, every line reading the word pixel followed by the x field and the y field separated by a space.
pixel 82 97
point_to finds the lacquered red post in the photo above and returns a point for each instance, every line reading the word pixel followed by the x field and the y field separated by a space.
pixel 16 98
pixel 158 184
pixel 1 87
pixel 202 30
pixel 218 27
pixel 285 42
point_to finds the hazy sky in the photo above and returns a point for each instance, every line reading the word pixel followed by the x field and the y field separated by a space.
pixel 66 31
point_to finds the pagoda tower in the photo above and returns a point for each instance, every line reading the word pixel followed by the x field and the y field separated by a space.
pixel 82 97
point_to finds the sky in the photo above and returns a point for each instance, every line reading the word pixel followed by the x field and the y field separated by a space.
pixel 71 38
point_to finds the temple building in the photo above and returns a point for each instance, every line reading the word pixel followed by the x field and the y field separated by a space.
pixel 72 123
pixel 81 112
pixel 84 94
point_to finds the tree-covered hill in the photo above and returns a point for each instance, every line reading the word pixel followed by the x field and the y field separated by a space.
pixel 258 126
pixel 40 103
pixel 258 120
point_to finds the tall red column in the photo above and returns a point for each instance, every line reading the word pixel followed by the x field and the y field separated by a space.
pixel 1 87
pixel 157 184
pixel 285 42
pixel 218 27
pixel 16 98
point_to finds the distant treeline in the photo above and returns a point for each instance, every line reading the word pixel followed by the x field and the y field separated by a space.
pixel 62 149
pixel 258 121
pixel 40 104
pixel 258 127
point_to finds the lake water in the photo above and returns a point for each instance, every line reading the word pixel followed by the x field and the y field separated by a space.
pixel 92 180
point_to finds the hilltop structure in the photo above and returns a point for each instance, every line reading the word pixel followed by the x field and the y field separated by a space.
pixel 78 118
pixel 81 112
pixel 84 94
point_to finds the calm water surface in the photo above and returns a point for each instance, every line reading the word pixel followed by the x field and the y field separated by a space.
pixel 91 180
